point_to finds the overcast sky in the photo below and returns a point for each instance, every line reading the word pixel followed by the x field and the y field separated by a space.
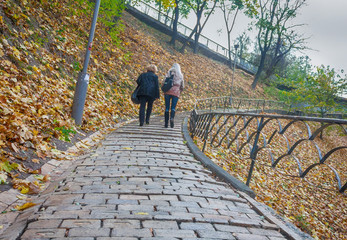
pixel 326 25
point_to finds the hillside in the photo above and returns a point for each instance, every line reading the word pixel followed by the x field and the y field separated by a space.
pixel 42 48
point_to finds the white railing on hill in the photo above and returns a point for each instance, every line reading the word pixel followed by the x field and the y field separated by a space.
pixel 186 31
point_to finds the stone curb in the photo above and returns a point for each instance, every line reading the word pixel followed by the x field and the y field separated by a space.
pixel 220 172
pixel 286 227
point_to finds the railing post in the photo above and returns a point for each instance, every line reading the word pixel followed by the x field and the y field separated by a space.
pixel 206 131
pixel 254 151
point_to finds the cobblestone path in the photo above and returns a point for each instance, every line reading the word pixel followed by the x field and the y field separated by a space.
pixel 143 183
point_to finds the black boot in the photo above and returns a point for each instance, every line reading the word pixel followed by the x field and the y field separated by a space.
pixel 172 116
pixel 166 119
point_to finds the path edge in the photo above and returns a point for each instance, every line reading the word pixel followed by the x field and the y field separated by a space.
pixel 207 162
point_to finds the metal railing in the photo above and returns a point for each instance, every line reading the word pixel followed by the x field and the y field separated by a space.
pixel 228 104
pixel 259 134
pixel 186 31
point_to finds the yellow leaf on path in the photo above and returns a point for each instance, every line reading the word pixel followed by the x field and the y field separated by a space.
pixel 25 206
pixel 24 190
pixel 35 160
pixel 127 148
pixel 1 226
pixel 21 197
pixel 141 213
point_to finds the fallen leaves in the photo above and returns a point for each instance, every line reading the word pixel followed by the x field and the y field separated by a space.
pixel 3 178
pixel 312 203
pixel 25 206
pixel 39 69
pixel 26 187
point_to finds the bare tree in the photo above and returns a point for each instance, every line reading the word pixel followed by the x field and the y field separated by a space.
pixel 272 23
pixel 198 6
pixel 230 9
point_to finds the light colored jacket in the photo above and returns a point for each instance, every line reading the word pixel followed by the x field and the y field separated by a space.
pixel 178 83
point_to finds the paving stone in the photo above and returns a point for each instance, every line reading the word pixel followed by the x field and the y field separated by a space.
pixel 74 238
pixel 85 223
pixel 124 232
pixel 243 236
pixel 116 238
pixel 161 203
pixel 173 233
pixel 160 238
pixel 197 226
pixel 31 234
pixel 133 197
pixel 160 224
pixel 214 234
pixel 244 222
pixel 213 205
pixel 184 204
pixel 41 224
pixel 202 210
pixel 211 220
pixel 182 214
pixel 175 218
pixel 142 208
pixel 193 199
pixel 259 231
pixel 122 201
pixel 89 232
pixel 269 226
pixel 172 209
pixel 232 229
pixel 117 223
pixel 163 197
pixel 9 196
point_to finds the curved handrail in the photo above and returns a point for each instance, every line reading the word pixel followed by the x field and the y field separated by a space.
pixel 220 130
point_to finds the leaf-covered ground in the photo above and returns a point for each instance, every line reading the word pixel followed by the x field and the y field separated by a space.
pixel 42 48
pixel 320 211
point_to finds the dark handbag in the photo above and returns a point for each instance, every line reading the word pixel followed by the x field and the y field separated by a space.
pixel 168 83
pixel 134 98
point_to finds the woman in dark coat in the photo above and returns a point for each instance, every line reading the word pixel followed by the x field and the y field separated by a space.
pixel 148 92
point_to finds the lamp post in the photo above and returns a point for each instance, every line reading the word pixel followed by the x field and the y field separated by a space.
pixel 236 46
pixel 83 77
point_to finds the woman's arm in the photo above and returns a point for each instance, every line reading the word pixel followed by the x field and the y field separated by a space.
pixel 139 79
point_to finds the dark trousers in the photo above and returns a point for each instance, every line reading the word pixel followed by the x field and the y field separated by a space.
pixel 143 101
pixel 170 104
pixel 170 100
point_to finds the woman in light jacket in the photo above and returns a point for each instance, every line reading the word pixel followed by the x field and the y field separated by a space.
pixel 148 92
pixel 171 96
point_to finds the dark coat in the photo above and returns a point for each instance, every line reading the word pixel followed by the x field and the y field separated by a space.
pixel 149 85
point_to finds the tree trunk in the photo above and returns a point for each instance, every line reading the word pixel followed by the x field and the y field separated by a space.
pixel 260 69
pixel 196 42
pixel 174 27
pixel 229 48
pixel 187 40
pixel 197 31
